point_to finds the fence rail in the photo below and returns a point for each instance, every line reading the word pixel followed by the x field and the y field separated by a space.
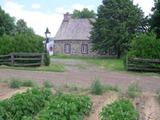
pixel 22 59
pixel 139 64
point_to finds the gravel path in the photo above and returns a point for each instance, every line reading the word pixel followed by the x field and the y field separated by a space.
pixel 82 74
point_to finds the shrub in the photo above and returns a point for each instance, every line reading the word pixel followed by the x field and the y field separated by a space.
pixel 28 83
pixel 47 84
pixel 46 59
pixel 24 105
pixel 66 107
pixel 15 84
pixel 97 87
pixel 119 110
pixel 145 46
pixel 23 42
pixel 133 90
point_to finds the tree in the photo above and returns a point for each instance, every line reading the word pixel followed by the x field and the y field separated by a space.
pixel 6 23
pixel 155 18
pixel 117 22
pixel 21 27
pixel 85 13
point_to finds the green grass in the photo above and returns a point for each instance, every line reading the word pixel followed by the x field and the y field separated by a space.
pixel 109 64
pixel 63 56
pixel 52 68
pixel 106 63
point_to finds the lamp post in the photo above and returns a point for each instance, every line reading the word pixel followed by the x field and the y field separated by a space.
pixel 47 34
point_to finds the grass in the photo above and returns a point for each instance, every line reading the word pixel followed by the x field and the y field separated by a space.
pixel 63 56
pixel 52 68
pixel 109 64
pixel 106 63
pixel 134 90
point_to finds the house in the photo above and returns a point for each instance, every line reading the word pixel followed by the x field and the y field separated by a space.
pixel 73 37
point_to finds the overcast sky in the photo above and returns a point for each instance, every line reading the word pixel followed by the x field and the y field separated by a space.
pixel 40 14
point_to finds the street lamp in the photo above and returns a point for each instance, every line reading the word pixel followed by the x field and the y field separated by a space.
pixel 47 34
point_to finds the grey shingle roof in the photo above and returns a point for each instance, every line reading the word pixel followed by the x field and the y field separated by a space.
pixel 74 29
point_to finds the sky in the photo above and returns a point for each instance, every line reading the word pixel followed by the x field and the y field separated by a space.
pixel 40 14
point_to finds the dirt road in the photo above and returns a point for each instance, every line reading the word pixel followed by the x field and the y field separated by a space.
pixel 78 73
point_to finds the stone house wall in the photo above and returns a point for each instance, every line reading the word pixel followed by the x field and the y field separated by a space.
pixel 75 47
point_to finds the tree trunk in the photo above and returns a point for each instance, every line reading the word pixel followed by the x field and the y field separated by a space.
pixel 118 54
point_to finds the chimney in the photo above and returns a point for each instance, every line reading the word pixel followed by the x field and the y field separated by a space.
pixel 67 17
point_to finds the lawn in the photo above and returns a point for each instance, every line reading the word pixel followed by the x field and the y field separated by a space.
pixel 106 63
pixel 52 68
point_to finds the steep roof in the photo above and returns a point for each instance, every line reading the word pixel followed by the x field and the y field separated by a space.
pixel 74 29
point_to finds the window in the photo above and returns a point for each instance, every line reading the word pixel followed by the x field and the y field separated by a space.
pixel 67 48
pixel 84 49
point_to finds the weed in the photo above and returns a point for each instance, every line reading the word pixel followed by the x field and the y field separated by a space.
pixel 97 87
pixel 133 90
pixel 28 83
pixel 111 88
pixel 47 84
pixel 15 83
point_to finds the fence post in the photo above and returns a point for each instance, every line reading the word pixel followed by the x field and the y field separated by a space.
pixel 12 59
pixel 42 59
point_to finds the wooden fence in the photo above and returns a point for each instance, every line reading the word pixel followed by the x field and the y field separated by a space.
pixel 139 64
pixel 22 59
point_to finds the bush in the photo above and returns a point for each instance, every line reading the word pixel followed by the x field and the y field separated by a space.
pixel 133 90
pixel 119 110
pixel 66 107
pixel 24 105
pixel 23 42
pixel 145 46
pixel 47 84
pixel 15 84
pixel 97 88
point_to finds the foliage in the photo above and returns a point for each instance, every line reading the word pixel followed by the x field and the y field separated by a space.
pixel 21 43
pixel 155 17
pixel 97 87
pixel 15 83
pixel 46 59
pixel 133 90
pixel 66 107
pixel 85 13
pixel 25 104
pixel 47 84
pixel 145 46
pixel 21 27
pixel 119 110
pixel 117 21
pixel 6 23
